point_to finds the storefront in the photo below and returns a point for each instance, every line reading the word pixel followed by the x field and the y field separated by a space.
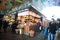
pixel 28 19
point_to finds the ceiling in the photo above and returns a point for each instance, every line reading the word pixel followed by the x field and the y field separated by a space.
pixel 9 4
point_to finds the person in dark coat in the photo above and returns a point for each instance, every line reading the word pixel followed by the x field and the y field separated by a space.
pixel 0 24
pixel 59 24
pixel 52 30
pixel 14 26
pixel 5 25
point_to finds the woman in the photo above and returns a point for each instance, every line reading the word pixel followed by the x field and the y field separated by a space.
pixel 45 28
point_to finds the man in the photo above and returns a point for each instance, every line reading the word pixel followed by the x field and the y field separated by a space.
pixel 0 24
pixel 52 30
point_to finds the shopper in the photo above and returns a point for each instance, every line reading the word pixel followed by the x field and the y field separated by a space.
pixel 59 24
pixel 52 30
pixel 14 26
pixel 0 24
pixel 5 25
pixel 45 28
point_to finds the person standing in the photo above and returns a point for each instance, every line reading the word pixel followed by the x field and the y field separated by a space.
pixel 45 28
pixel 0 24
pixel 52 30
pixel 14 26
pixel 5 25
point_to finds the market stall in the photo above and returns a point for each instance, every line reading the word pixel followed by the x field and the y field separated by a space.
pixel 27 20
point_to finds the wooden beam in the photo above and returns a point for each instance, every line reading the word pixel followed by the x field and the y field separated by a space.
pixel 2 6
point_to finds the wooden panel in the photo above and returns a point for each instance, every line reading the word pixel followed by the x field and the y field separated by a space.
pixel 2 6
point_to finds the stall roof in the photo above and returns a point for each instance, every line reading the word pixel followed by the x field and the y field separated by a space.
pixel 32 8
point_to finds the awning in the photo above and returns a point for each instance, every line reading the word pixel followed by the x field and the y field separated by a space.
pixel 28 13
